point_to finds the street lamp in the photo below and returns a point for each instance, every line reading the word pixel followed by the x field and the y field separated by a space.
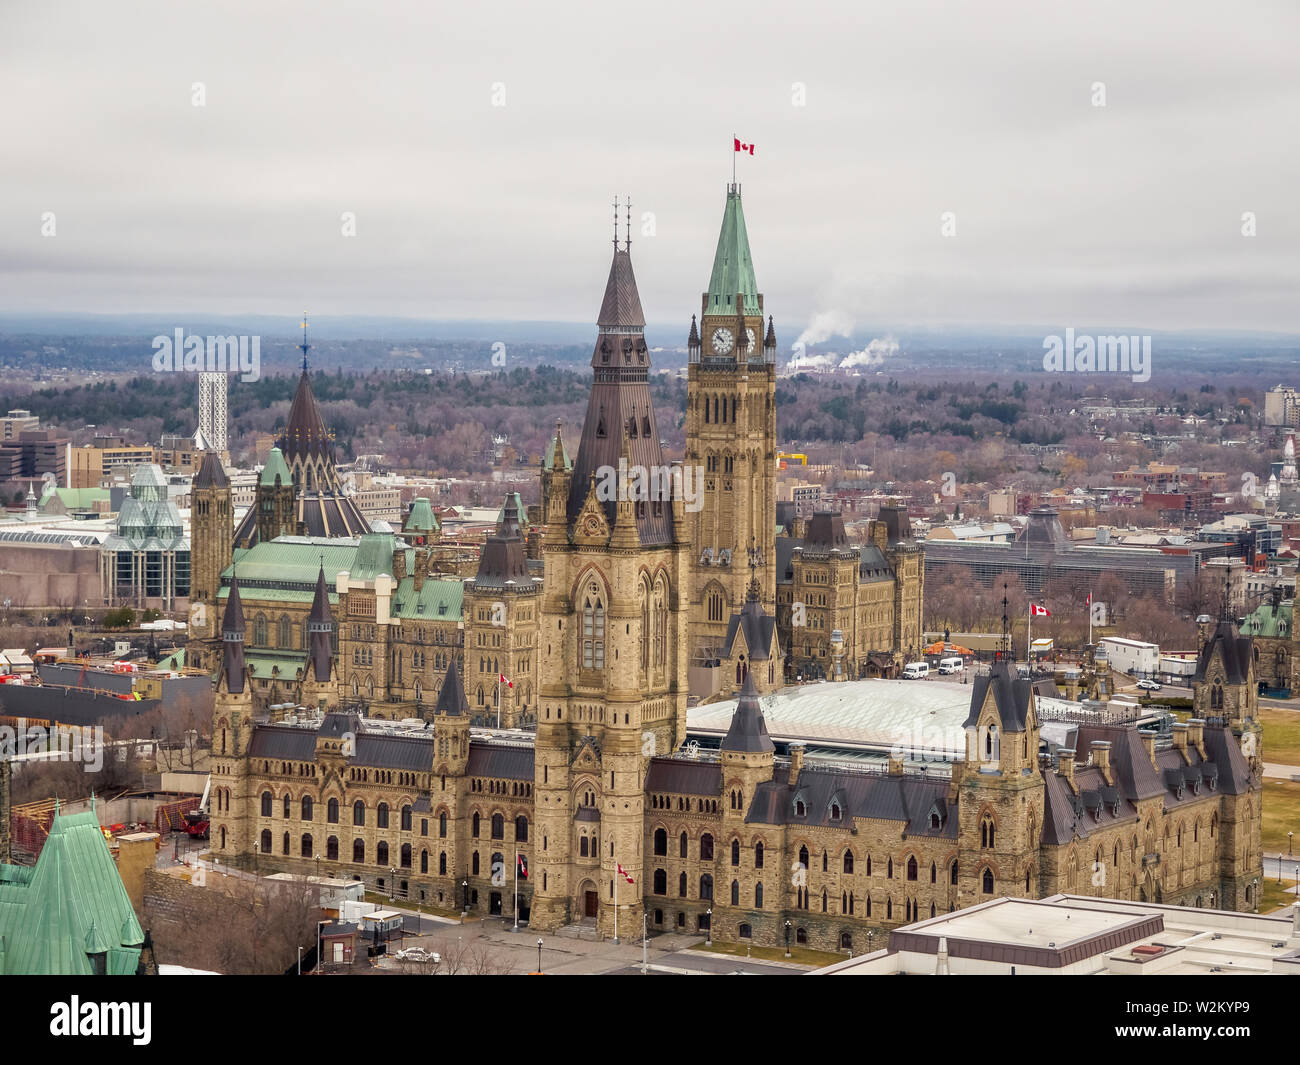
pixel 464 885
pixel 539 954
pixel 392 883
pixel 318 867
pixel 1288 843
pixel 787 939
pixel 257 849
pixel 645 936
pixel 708 929
pixel 1255 885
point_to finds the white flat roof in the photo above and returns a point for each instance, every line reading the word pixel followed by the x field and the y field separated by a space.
pixel 864 713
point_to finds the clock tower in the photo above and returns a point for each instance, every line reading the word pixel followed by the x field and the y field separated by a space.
pixel 730 442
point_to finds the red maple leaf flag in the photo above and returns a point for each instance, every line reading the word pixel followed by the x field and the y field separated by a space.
pixel 507 683
pixel 743 147
pixel 1036 611
pixel 625 876
pixel 523 867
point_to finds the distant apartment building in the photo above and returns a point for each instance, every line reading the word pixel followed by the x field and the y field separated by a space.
pixel 213 418
pixel 179 454
pixel 1230 573
pixel 115 454
pixel 1282 407
pixel 17 421
pixel 33 453
pixel 1252 534
pixel 806 497
pixel 1043 552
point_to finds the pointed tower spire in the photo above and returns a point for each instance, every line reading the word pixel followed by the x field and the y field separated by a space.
pixel 320 628
pixel 733 268
pixel 232 639
pixel 304 346
pixel 748 732
pixel 451 699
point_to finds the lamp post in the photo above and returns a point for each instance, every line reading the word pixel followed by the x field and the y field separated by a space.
pixel 464 886
pixel 320 960
pixel 1288 843
pixel 539 955
pixel 300 961
pixel 392 883
pixel 645 935
pixel 787 938
pixel 1255 885
pixel 257 849
pixel 708 928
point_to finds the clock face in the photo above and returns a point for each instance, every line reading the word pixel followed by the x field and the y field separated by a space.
pixel 749 336
pixel 722 340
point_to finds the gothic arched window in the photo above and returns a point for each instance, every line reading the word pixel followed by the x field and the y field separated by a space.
pixel 593 628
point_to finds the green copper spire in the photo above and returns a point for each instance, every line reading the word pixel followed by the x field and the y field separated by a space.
pixel 275 467
pixel 733 269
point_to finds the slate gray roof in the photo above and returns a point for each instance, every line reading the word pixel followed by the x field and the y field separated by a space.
pixel 905 797
pixel 283 742
pixel 747 732
pixel 683 776
pixel 1011 695
pixel 507 763
pixel 757 627
pixel 1236 650
pixel 383 751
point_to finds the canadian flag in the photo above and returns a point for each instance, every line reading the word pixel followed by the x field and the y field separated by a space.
pixel 1088 602
pixel 743 147
pixel 1036 611
pixel 523 867
pixel 625 876
pixel 507 683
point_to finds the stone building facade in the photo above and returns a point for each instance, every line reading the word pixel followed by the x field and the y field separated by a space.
pixel 601 808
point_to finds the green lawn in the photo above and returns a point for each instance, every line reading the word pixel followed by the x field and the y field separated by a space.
pixel 798 955
pixel 1274 896
pixel 1281 815
pixel 1281 739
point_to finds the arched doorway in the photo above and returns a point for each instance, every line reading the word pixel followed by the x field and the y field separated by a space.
pixel 587 904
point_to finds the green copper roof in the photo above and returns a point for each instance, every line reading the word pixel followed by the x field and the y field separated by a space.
pixel 276 665
pixel 72 901
pixel 421 519
pixel 733 268
pixel 76 498
pixel 1263 621
pixel 291 561
pixel 439 599
pixel 275 465
pixel 175 660
pixel 374 556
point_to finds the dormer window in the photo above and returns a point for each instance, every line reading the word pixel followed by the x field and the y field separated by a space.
pixel 835 811
pixel 934 819
pixel 800 810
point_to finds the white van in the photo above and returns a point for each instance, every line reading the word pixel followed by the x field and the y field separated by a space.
pixel 948 666
pixel 916 671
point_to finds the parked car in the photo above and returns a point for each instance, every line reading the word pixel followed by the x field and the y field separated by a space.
pixel 1148 685
pixel 417 954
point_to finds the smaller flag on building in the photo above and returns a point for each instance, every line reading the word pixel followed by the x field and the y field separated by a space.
pixel 507 683
pixel 1036 611
pixel 743 147
pixel 522 863
pixel 625 876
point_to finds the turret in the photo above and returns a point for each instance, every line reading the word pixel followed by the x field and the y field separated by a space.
pixel 232 642
pixel 451 725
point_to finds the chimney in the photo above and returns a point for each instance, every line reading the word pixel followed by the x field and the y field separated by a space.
pixel 1196 734
pixel 1149 742
pixel 796 762
pixel 1065 764
pixel 1180 738
pixel 399 562
pixel 880 534
pixel 1101 757
pixel 941 959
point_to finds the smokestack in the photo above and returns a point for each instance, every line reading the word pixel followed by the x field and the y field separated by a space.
pixel 1180 737
pixel 1065 764
pixel 1196 733
pixel 1149 742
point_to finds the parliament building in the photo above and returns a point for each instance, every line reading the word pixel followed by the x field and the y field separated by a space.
pixel 358 731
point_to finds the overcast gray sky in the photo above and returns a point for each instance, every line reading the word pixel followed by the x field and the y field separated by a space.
pixel 1065 212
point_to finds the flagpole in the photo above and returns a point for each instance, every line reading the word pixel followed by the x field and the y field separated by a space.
pixel 1029 633
pixel 615 903
pixel 1089 617
pixel 498 698
pixel 516 928
pixel 733 158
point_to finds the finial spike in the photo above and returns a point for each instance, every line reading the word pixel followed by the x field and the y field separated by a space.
pixel 628 208
pixel 304 345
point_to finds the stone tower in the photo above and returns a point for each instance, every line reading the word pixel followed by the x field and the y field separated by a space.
pixel 211 539
pixel 276 509
pixel 230 804
pixel 1224 687
pixel 730 439
pixel 500 611
pixel 613 629
pixel 999 790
